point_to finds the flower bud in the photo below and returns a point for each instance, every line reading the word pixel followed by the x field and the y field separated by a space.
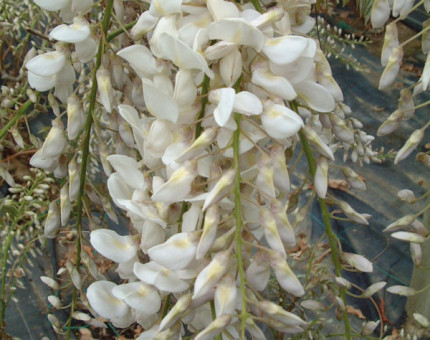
pixel 55 141
pixel 105 88
pixel 211 274
pixel 265 177
pixel 220 188
pixel 416 254
pixel 401 223
pixel 391 41
pixel 52 222
pixel 408 236
pixel 317 142
pixel 65 204
pixel 402 290
pixel 210 225
pixel 75 117
pixel 74 180
pixel 177 312
pixel 353 179
pixel 392 68
pixel 358 262
pixel 369 327
pixel 321 177
pixel 380 13
pixel 410 145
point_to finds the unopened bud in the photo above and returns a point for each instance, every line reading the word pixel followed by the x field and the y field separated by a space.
pixel 321 177
pixel 52 222
pixel 410 145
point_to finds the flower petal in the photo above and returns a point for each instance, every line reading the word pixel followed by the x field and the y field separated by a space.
pixel 77 32
pixel 280 122
pixel 237 31
pixel 140 58
pixel 113 246
pixel 177 252
pixel 46 64
pixel 160 277
pixel 225 99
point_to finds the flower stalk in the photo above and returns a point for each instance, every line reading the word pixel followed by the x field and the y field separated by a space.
pixel 85 155
pixel 328 228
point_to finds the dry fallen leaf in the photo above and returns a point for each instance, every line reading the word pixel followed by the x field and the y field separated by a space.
pixel 85 334
pixel 339 184
pixel 354 311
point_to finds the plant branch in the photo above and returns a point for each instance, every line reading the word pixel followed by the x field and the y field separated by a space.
pixel 85 154
pixel 328 229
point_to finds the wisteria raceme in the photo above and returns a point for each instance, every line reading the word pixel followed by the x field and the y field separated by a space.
pixel 203 101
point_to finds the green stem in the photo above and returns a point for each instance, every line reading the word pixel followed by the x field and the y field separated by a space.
pixel 328 229
pixel 239 224
pixel 24 108
pixel 85 154
pixel 257 5
pixel 113 35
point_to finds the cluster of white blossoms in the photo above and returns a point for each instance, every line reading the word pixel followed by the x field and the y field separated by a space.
pixel 206 100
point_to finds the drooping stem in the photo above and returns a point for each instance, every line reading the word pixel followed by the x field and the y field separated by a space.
pixel 85 154
pixel 239 224
pixel 328 229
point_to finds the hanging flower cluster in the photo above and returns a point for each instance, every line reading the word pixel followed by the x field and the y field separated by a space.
pixel 204 102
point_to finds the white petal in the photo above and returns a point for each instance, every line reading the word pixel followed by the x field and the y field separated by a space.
pixel 77 32
pixel 316 96
pixel 52 5
pixel 276 85
pixel 178 311
pixel 41 83
pixel 237 31
pixel 127 168
pixel 210 225
pixel 258 274
pixel 185 88
pixel 247 103
pixel 230 67
pixel 177 187
pixel 113 246
pixel 224 97
pixel 160 277
pixel 140 59
pixel 285 276
pixel 181 55
pixel 139 296
pixel 177 252
pixel 220 188
pixel 46 64
pixel 285 49
pixel 220 9
pixel 144 24
pixel 118 189
pixel 225 297
pixel 160 8
pixel 101 299
pixel 159 104
pixel 392 68
pixel 280 122
pixel 55 141
pixel 211 274
pixel 380 13
pixel 219 50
